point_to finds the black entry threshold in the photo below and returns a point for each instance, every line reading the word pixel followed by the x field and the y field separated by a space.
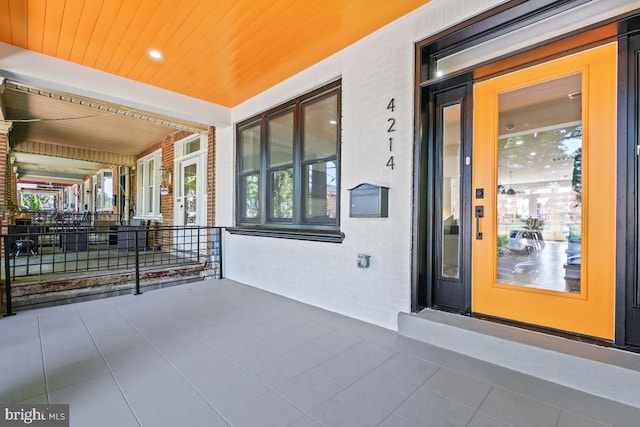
pixel 609 373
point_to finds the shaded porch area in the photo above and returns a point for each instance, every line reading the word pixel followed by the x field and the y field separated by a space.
pixel 220 353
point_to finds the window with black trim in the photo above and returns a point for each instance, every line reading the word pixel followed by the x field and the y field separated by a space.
pixel 288 165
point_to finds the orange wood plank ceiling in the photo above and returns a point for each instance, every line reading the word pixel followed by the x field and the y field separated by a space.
pixel 223 51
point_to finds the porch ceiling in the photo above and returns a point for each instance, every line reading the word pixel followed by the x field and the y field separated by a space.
pixel 61 138
pixel 222 52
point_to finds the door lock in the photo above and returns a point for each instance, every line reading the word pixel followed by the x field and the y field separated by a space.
pixel 479 214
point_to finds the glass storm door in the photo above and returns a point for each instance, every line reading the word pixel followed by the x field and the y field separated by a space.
pixel 544 226
pixel 452 243
pixel 188 205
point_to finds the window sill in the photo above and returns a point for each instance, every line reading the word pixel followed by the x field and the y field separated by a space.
pixel 148 218
pixel 314 236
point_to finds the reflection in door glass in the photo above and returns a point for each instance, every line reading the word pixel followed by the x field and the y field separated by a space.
pixel 539 203
pixel 190 195
pixel 450 234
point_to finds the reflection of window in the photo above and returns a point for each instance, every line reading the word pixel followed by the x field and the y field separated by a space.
pixel 288 169
pixel 190 145
pixel 148 185
pixel 37 201
pixel 104 190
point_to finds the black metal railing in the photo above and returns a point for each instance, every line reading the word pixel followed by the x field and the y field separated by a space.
pixel 47 253
pixel 86 218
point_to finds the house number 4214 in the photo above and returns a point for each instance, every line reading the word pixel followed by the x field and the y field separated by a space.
pixel 391 122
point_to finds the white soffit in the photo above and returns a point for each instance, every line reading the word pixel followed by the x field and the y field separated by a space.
pixel 44 71
pixel 565 22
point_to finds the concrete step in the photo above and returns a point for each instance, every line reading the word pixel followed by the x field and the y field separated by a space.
pixel 72 288
pixel 602 371
pixel 49 299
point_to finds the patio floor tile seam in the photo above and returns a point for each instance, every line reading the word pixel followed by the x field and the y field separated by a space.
pixel 124 396
pixel 180 374
pixel 548 404
pixel 307 413
pixel 248 372
pixel 484 399
pixel 394 413
pixel 44 364
pixel 342 388
pixel 228 357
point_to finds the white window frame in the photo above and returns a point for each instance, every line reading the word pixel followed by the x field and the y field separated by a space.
pixel 144 208
pixel 104 191
pixel 180 157
pixel 180 146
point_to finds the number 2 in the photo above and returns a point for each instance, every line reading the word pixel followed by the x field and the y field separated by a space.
pixel 393 123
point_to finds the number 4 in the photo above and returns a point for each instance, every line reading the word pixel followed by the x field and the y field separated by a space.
pixel 392 105
pixel 391 163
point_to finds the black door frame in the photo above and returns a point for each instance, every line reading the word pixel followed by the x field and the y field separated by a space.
pixel 501 20
pixel 447 294
pixel 627 333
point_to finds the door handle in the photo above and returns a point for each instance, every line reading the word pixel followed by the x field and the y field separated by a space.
pixel 479 214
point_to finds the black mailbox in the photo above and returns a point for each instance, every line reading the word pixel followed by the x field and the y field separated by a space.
pixel 369 201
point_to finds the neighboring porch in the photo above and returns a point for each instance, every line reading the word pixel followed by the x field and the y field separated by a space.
pixel 51 265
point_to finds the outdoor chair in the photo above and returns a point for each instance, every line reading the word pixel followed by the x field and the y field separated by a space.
pixel 24 245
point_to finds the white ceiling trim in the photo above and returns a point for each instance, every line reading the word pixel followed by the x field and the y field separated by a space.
pixel 108 107
pixel 76 153
pixel 44 71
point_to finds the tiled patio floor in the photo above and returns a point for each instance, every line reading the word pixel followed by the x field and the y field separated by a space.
pixel 219 353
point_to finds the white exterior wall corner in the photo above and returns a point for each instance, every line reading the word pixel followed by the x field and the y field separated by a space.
pixel 373 70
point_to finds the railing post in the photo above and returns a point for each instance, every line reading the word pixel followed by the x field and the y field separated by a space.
pixel 7 275
pixel 220 250
pixel 135 245
pixel 198 245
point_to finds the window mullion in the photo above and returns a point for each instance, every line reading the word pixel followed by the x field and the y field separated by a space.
pixel 267 142
pixel 265 186
pixel 297 170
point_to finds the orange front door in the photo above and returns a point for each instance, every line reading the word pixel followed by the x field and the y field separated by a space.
pixel 544 149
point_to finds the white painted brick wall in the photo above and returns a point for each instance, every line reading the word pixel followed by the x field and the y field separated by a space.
pixel 373 70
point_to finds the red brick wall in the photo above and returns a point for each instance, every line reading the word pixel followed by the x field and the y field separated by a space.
pixel 168 154
pixel 211 177
pixel 5 170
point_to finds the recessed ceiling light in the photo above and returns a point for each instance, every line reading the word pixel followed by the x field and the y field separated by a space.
pixel 155 54
pixel 533 153
pixel 333 122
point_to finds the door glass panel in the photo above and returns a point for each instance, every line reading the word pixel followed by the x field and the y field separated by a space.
pixel 192 146
pixel 189 186
pixel 539 203
pixel 151 182
pixel 450 236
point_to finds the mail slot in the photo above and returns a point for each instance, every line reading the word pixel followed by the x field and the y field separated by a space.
pixel 369 201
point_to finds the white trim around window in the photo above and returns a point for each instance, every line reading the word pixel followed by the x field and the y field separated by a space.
pixel 148 185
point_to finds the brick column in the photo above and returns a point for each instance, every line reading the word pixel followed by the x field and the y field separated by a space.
pixel 5 167
pixel 211 176
pixel 5 170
